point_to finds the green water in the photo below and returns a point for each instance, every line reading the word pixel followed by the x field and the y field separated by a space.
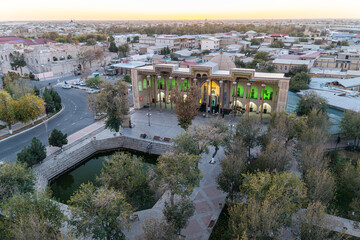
pixel 66 184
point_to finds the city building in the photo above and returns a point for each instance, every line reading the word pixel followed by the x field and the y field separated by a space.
pixel 285 65
pixel 222 86
pixel 210 44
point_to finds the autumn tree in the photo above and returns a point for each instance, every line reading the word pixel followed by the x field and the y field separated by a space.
pixel 276 156
pixel 15 178
pixel 99 213
pixel 94 82
pixel 186 108
pixel 33 216
pixel 158 229
pixel 7 109
pixel 313 224
pixel 321 185
pixel 32 154
pixel 17 60
pixel 57 138
pixel 113 101
pixel 128 175
pixel 214 133
pixel 15 86
pixel 179 173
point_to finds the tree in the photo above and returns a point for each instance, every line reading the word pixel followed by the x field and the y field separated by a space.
pixel 100 213
pixel 233 166
pixel 155 229
pixel 124 49
pixel 33 217
pixel 15 178
pixel 214 133
pixel 318 42
pixel 350 126
pixel 313 224
pixel 248 130
pixel 297 69
pixel 173 57
pixel 186 142
pixel 33 154
pixel 272 198
pixel 186 108
pixel 300 82
pixel 113 48
pixel 255 41
pixel 240 64
pixel 17 61
pixel 57 138
pixel 179 173
pixel 94 82
pixel 15 86
pixel 29 107
pixel 277 44
pixel 321 185
pixel 127 175
pixel 178 215
pixel 275 157
pixel 112 100
pixel 7 109
pixel 310 101
pixel 52 100
pixel 262 56
pixel 127 78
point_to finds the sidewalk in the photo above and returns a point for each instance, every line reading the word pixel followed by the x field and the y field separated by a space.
pixel 19 127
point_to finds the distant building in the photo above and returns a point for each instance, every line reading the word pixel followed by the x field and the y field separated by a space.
pixel 210 44
pixel 285 65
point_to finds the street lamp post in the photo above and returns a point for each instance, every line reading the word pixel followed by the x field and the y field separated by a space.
pixel 159 80
pixel 149 116
pixel 234 103
pixel 262 100
pixel 149 90
pixel 248 93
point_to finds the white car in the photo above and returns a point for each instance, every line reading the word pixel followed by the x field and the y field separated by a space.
pixel 76 83
pixel 66 86
pixel 82 83
pixel 92 91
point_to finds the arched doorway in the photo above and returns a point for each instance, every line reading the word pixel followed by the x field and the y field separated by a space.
pixel 268 93
pixel 252 107
pixel 213 93
pixel 266 108
pixel 162 96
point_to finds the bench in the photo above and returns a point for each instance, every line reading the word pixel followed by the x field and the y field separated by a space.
pixel 167 139
pixel 157 138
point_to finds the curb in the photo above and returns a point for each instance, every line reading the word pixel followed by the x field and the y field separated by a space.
pixel 43 122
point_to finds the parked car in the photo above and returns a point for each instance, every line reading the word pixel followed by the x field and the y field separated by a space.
pixel 82 83
pixel 76 83
pixel 66 86
pixel 92 91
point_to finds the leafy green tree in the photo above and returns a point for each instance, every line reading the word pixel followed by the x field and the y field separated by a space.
pixel 52 100
pixel 311 101
pixel 56 98
pixel 272 198
pixel 33 217
pixel 233 166
pixel 277 44
pixel 297 69
pixel 179 214
pixel 94 82
pixel 57 138
pixel 249 131
pixel 300 82
pixel 124 49
pixel 240 64
pixel 276 156
pixel 32 154
pixel 17 60
pixel 99 213
pixel 113 101
pixel 128 175
pixel 173 57
pixel 36 91
pixel 113 48
pixel 186 142
pixel 318 42
pixel 15 178
pixel 321 185
pixel 127 78
pixel 262 56
pixel 179 173
pixel 255 41
pixel 350 126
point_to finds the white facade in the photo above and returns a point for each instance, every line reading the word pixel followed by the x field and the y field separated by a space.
pixel 210 44
pixel 168 40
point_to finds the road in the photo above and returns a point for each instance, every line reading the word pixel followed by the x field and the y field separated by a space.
pixel 75 117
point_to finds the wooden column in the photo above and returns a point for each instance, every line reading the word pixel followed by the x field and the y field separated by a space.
pixel 159 86
pixel 165 85
pixel 262 100
pixel 171 103
pixel 149 90
pixel 221 99
pixel 207 97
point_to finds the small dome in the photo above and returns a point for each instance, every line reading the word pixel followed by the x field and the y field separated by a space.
pixel 224 61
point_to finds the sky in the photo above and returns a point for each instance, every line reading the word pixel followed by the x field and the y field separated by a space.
pixel 19 10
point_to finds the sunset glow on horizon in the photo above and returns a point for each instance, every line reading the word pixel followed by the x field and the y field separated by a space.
pixel 20 10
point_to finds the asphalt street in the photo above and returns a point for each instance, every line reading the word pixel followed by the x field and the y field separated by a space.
pixel 75 117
